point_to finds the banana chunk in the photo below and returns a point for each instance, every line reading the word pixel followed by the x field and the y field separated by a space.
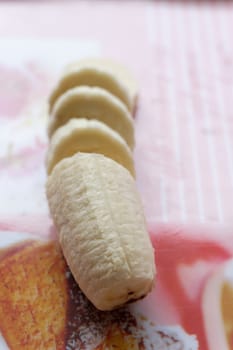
pixel 101 73
pixel 93 103
pixel 89 136
pixel 99 217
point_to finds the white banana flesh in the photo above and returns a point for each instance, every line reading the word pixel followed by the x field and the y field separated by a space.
pixel 93 76
pixel 117 69
pixel 90 136
pixel 93 103
pixel 98 214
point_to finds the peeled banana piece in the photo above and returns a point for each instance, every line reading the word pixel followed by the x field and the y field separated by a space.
pixel 97 74
pixel 99 217
pixel 93 103
pixel 117 69
pixel 90 136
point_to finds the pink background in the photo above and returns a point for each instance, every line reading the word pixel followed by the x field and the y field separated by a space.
pixel 181 53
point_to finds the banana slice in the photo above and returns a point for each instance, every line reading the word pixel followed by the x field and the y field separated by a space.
pixel 93 103
pixel 97 211
pixel 91 136
pixel 122 73
pixel 102 73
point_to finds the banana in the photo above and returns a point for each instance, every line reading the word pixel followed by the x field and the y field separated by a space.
pixel 98 214
pixel 120 71
pixel 82 135
pixel 93 103
pixel 105 74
